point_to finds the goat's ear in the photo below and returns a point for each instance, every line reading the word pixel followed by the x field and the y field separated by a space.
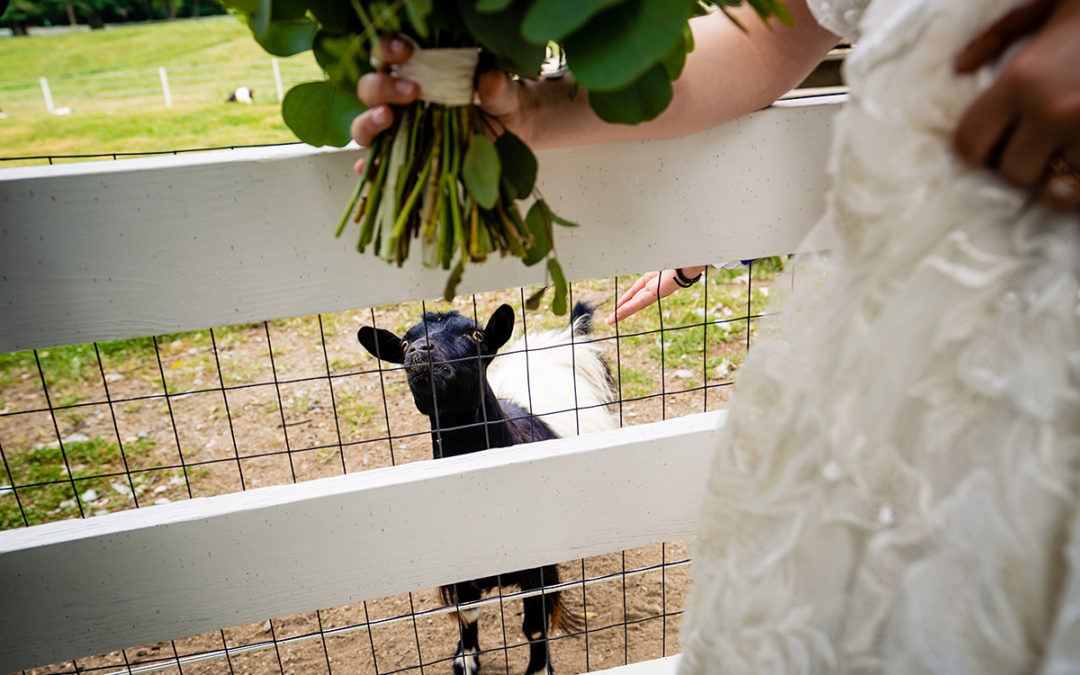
pixel 499 327
pixel 382 344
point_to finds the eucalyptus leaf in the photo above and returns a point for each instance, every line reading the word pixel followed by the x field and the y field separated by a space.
pixel 492 5
pixel 643 100
pixel 518 164
pixel 554 217
pixel 553 20
pixel 675 59
pixel 500 33
pixel 287 37
pixel 417 12
pixel 245 6
pixel 558 303
pixel 320 114
pixel 533 301
pixel 538 228
pixel 617 46
pixel 340 55
pixel 335 15
pixel 480 169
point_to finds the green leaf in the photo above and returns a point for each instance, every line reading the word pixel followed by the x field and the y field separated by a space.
pixel 643 100
pixel 334 14
pixel 533 301
pixel 320 114
pixel 454 279
pixel 492 5
pixel 480 169
pixel 553 20
pixel 288 37
pixel 518 164
pixel 417 12
pixel 535 221
pixel 245 6
pixel 675 59
pixel 617 46
pixel 342 57
pixel 555 217
pixel 499 33
pixel 558 303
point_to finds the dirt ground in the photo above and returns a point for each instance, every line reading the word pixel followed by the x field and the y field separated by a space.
pixel 298 399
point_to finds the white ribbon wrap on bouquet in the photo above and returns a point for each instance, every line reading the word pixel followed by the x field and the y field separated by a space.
pixel 444 75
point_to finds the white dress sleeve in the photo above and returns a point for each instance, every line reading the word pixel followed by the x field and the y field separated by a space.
pixel 839 16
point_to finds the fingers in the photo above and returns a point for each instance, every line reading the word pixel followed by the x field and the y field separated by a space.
pixel 646 284
pixel 392 51
pixel 379 90
pixel 984 126
pixel 1027 154
pixel 497 93
pixel 369 124
pixel 639 301
pixel 995 39
pixel 383 88
pixel 1062 188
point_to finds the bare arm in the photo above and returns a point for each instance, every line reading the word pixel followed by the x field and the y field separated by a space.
pixel 729 73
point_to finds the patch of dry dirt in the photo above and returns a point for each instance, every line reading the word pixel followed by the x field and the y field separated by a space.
pixel 298 399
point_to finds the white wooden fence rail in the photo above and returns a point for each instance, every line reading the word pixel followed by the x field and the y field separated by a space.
pixel 111 250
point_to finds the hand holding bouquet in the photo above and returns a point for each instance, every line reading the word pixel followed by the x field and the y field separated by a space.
pixel 446 176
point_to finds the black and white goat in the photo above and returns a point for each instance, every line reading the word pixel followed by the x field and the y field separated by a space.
pixel 477 400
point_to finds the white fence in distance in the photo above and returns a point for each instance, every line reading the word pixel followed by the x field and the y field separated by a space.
pixel 112 250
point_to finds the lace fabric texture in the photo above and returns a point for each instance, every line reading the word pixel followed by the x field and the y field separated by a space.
pixel 896 487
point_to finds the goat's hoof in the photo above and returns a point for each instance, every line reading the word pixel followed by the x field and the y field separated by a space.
pixel 467 663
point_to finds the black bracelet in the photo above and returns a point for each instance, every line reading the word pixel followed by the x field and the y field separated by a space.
pixel 682 281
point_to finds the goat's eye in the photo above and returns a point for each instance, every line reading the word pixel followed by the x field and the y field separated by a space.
pixel 478 335
pixel 404 345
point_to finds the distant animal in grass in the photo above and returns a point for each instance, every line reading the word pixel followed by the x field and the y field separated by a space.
pixel 241 95
pixel 476 398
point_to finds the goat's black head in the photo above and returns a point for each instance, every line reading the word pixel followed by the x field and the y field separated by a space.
pixel 445 356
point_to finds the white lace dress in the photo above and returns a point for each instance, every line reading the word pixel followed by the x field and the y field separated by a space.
pixel 896 487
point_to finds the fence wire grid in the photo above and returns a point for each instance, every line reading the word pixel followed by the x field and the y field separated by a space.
pixel 101 427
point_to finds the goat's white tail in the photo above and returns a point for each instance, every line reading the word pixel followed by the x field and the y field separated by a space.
pixel 569 387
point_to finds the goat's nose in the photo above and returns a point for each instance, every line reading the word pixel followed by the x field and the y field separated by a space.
pixel 422 345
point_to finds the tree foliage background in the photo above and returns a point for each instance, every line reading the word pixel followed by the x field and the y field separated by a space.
pixel 23 15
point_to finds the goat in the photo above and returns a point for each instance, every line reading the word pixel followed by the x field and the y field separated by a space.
pixel 241 95
pixel 476 400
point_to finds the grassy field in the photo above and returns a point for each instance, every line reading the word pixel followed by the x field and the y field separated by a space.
pixel 110 81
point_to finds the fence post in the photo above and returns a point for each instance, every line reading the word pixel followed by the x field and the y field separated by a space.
pixel 277 79
pixel 48 95
pixel 165 86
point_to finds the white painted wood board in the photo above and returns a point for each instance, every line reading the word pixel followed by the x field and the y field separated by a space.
pixel 668 665
pixel 118 249
pixel 81 587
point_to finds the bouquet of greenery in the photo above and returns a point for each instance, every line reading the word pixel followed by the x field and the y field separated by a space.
pixel 444 173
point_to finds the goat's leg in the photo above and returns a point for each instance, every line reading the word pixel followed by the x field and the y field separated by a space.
pixel 540 612
pixel 467 656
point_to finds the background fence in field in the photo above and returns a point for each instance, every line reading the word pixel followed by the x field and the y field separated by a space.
pixel 187 86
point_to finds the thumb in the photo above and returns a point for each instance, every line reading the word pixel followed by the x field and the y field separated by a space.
pixel 497 93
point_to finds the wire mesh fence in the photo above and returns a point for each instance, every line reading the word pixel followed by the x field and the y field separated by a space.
pixel 90 429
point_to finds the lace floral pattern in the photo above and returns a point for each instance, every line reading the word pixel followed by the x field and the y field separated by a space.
pixel 896 487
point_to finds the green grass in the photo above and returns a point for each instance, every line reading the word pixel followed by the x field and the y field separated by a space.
pixel 109 78
pixel 53 497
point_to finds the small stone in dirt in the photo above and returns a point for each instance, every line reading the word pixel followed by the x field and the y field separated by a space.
pixel 684 374
pixel 90 495
pixel 113 377
pixel 76 438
